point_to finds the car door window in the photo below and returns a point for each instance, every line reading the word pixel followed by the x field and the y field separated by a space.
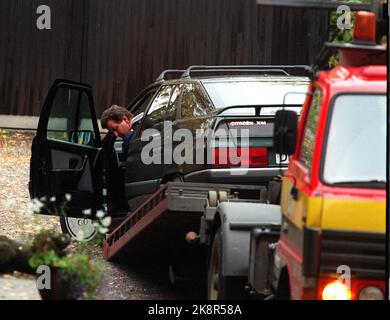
pixel 156 113
pixel 139 108
pixel 85 130
pixel 143 103
pixel 70 117
pixel 192 103
pixel 306 156
pixel 171 113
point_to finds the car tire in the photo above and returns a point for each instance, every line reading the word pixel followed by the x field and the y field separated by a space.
pixel 64 229
pixel 283 290
pixel 220 287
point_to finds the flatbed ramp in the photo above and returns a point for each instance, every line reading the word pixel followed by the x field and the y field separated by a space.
pixel 166 216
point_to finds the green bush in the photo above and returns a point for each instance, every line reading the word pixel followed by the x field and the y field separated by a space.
pixel 80 276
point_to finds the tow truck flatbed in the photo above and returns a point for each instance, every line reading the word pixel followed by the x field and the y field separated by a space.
pixel 169 213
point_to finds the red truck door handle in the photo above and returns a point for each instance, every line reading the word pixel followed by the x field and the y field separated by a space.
pixel 294 192
pixel 285 227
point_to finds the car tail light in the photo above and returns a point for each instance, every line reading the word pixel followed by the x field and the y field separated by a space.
pixel 240 157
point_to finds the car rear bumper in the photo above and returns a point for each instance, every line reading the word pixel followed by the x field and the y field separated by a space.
pixel 235 175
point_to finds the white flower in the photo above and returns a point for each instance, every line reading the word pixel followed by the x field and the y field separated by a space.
pixel 44 199
pixel 100 214
pixel 36 205
pixel 106 222
pixel 80 235
pixel 52 199
pixel 103 230
pixel 68 197
pixel 87 212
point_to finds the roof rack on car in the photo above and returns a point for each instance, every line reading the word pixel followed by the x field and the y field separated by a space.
pixel 281 69
pixel 162 76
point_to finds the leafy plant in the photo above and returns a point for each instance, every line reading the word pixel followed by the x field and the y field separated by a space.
pixel 75 275
pixel 80 276
pixel 48 247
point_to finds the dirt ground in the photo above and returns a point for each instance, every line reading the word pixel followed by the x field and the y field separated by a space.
pixel 127 281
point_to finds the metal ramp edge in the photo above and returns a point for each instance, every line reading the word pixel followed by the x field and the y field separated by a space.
pixel 135 223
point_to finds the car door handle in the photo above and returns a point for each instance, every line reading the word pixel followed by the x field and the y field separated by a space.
pixel 73 163
pixel 83 165
pixel 294 192
pixel 79 171
pixel 74 170
pixel 285 227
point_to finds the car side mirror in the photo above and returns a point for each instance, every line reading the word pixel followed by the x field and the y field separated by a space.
pixel 285 132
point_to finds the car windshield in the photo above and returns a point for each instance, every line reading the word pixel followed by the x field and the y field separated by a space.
pixel 247 93
pixel 356 144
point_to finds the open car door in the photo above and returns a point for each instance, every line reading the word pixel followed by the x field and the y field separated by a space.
pixel 66 157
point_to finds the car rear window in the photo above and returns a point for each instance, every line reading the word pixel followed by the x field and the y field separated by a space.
pixel 247 93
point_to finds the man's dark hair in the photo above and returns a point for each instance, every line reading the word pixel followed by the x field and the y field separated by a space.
pixel 115 113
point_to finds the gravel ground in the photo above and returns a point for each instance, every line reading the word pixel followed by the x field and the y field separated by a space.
pixel 14 197
pixel 119 281
pixel 18 287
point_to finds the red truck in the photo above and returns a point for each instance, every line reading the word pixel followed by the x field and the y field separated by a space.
pixel 333 195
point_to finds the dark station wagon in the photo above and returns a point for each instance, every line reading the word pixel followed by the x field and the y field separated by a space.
pixel 69 156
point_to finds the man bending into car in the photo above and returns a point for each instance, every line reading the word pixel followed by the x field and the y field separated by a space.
pixel 119 121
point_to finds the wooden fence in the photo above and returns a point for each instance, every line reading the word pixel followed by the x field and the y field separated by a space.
pixel 120 46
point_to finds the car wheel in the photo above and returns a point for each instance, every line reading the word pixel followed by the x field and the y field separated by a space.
pixel 220 287
pixel 78 228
